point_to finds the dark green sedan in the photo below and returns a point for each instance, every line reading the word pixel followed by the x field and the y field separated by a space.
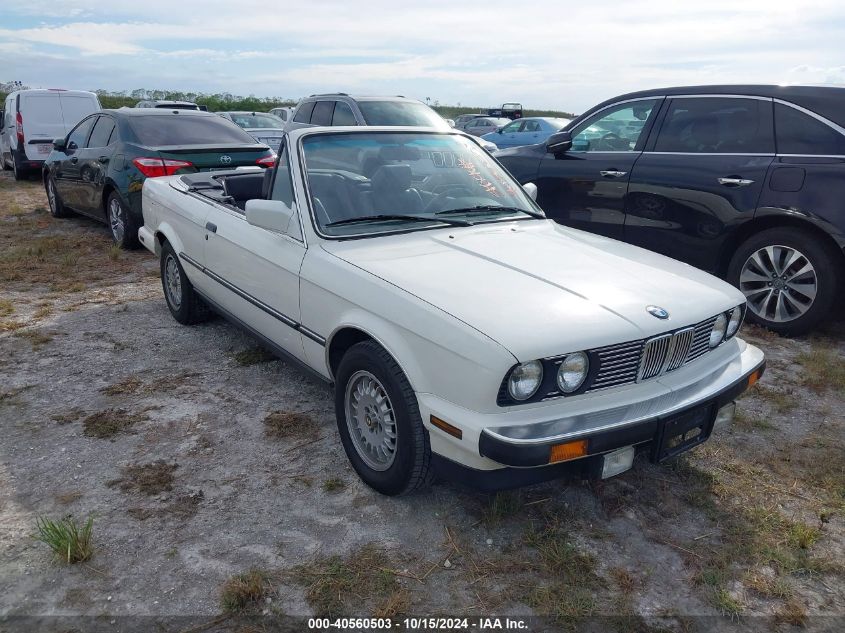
pixel 99 168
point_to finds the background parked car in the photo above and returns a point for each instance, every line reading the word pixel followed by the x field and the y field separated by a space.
pixel 342 109
pixel 526 131
pixel 462 119
pixel 264 128
pixel 99 168
pixel 30 121
pixel 743 181
pixel 480 126
pixel 170 105
pixel 511 111
pixel 284 113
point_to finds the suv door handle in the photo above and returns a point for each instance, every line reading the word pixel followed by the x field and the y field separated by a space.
pixel 103 159
pixel 735 181
pixel 612 173
pixel 74 159
pixel 210 226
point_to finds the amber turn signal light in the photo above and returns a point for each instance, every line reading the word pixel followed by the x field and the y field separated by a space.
pixel 447 428
pixel 753 378
pixel 570 450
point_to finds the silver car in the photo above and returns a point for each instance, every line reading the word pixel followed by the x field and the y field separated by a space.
pixel 484 125
pixel 343 109
pixel 263 127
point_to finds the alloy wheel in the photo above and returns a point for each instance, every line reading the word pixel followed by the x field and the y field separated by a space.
pixel 779 282
pixel 118 226
pixel 173 282
pixel 51 196
pixel 371 420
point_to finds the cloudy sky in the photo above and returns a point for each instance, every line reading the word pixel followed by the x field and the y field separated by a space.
pixel 546 54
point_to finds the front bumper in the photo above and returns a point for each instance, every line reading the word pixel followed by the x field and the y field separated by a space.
pixel 536 451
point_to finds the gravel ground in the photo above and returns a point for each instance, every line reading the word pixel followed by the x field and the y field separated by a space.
pixel 110 409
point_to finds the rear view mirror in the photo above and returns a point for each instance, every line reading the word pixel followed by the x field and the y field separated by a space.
pixel 59 144
pixel 531 190
pixel 559 142
pixel 272 215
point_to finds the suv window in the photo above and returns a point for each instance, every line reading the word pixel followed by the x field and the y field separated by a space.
pixel 76 139
pixel 722 125
pixel 103 129
pixel 303 113
pixel 343 114
pixel 799 133
pixel 619 128
pixel 322 114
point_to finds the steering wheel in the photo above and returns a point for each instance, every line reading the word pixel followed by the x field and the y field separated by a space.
pixel 614 141
pixel 449 190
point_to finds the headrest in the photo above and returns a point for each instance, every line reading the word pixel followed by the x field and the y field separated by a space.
pixel 392 178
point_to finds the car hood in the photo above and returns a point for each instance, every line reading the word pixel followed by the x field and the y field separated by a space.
pixel 540 289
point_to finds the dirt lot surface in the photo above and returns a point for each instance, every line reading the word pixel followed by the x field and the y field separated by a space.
pixel 217 483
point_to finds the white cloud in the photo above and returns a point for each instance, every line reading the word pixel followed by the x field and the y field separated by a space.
pixel 546 54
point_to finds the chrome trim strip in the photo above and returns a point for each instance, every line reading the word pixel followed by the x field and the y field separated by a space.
pixel 256 302
pixel 721 96
pixel 712 154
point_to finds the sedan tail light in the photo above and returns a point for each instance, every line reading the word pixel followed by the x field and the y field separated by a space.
pixel 267 161
pixel 154 167
pixel 19 128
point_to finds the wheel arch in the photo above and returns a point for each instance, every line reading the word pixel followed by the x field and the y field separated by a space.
pixel 762 223
pixel 165 233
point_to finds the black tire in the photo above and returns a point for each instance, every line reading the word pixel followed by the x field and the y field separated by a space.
pixel 826 262
pixel 411 467
pixel 124 229
pixel 189 308
pixel 57 207
pixel 19 172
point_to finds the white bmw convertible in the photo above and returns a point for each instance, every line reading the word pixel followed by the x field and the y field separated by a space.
pixel 464 333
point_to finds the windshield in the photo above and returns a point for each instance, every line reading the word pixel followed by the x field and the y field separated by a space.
pixel 396 113
pixel 357 180
pixel 256 120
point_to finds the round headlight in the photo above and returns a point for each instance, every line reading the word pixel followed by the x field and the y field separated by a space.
pixel 525 379
pixel 572 372
pixel 734 322
pixel 717 334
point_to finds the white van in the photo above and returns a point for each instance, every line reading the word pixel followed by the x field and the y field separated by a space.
pixel 32 119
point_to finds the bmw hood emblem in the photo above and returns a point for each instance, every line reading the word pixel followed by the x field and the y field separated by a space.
pixel 225 159
pixel 657 311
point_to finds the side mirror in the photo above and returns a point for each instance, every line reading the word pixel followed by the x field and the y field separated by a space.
pixel 559 142
pixel 531 190
pixel 501 130
pixel 273 215
pixel 59 144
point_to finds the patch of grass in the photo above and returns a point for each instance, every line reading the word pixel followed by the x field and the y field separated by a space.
pixel 503 505
pixel 43 311
pixel 568 605
pixel 792 612
pixel 69 541
pixel 767 585
pixel 284 424
pixel 824 369
pixel 183 507
pixel 114 252
pixel 127 385
pixel 245 593
pixel 626 581
pixel 36 339
pixel 334 484
pixel 6 307
pixel 782 401
pixel 148 479
pixel 66 498
pixel 725 603
pixel 394 605
pixel 750 422
pixel 337 586
pixel 110 422
pixel 66 417
pixel 11 326
pixel 253 356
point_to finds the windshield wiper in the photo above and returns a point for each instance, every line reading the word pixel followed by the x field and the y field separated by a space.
pixel 391 216
pixel 489 208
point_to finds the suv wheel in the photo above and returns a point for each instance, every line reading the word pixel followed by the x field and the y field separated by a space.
pixel 379 422
pixel 789 278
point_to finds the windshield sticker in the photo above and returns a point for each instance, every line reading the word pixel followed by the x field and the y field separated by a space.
pixel 473 173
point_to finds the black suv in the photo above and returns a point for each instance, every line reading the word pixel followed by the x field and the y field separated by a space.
pixel 747 182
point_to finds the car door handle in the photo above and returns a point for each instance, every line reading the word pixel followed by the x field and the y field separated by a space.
pixel 735 181
pixel 103 159
pixel 210 226
pixel 612 173
pixel 74 159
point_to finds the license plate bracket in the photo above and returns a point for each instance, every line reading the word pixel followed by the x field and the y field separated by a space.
pixel 684 431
